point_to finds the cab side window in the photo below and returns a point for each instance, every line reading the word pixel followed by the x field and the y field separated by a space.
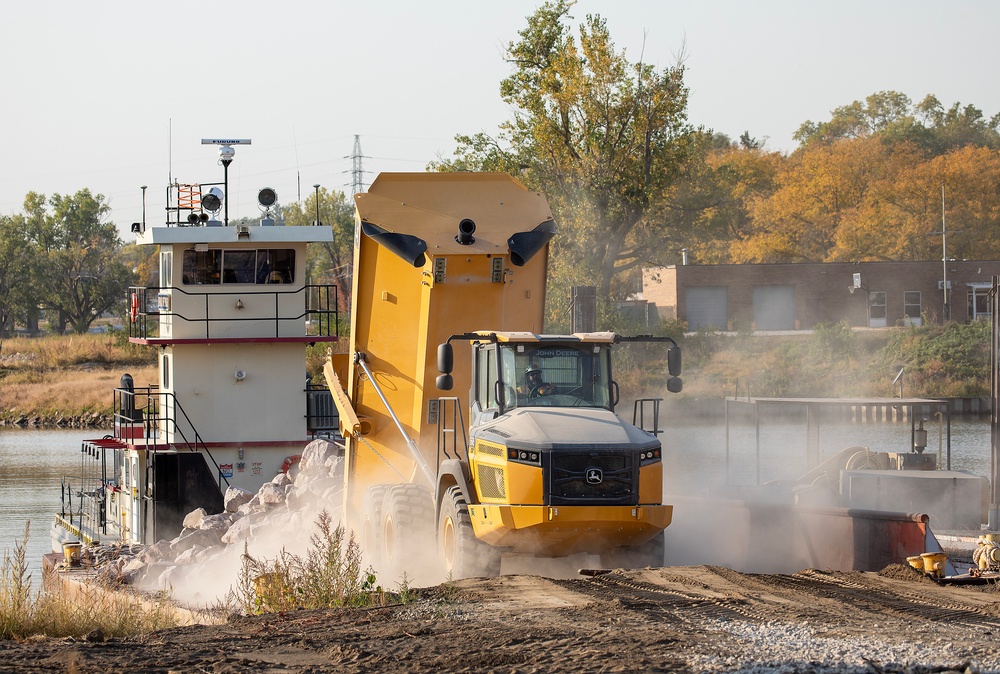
pixel 486 363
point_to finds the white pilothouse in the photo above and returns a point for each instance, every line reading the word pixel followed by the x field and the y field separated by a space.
pixel 230 319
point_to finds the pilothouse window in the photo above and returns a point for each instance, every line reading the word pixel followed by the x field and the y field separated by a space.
pixel 244 267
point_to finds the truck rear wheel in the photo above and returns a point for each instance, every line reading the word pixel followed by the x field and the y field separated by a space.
pixel 462 554
pixel 407 525
pixel 371 519
pixel 650 553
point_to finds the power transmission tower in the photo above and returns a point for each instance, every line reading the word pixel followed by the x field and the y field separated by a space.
pixel 357 171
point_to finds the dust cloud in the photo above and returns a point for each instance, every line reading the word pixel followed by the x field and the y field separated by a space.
pixel 759 511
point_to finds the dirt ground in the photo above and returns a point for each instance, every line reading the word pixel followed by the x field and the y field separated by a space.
pixel 675 619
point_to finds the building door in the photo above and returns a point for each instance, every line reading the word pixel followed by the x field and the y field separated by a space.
pixel 876 309
pixel 774 307
pixel 706 307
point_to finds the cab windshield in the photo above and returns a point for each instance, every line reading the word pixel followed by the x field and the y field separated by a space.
pixel 563 375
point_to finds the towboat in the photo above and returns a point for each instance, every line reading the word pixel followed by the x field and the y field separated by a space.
pixel 230 318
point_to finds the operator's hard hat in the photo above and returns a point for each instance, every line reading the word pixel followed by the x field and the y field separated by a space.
pixel 532 369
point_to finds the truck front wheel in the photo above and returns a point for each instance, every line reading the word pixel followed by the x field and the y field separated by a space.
pixel 462 554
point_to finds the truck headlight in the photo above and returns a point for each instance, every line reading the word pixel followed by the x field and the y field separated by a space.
pixel 528 456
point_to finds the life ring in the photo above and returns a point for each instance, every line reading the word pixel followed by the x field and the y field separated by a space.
pixel 290 461
pixel 134 307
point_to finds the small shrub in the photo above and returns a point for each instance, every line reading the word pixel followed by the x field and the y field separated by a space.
pixel 329 576
pixel 834 342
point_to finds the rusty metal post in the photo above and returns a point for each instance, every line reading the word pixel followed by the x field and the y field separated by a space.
pixel 994 514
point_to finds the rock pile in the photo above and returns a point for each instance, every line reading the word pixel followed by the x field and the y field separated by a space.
pixel 201 564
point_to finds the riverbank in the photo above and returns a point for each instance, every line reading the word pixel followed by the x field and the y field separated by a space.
pixel 92 420
pixel 67 381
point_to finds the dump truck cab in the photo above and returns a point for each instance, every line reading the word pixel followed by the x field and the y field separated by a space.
pixel 552 469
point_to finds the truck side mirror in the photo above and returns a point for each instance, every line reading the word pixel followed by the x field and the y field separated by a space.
pixel 674 384
pixel 674 361
pixel 446 363
pixel 446 358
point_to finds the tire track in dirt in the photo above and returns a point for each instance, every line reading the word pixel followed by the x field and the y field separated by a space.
pixel 687 606
pixel 862 595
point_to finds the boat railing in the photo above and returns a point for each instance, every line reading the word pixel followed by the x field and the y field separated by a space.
pixel 318 309
pixel 143 416
pixel 82 496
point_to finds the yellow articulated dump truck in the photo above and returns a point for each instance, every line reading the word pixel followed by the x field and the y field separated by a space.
pixel 470 434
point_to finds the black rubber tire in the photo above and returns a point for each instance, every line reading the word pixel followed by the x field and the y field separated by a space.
pixel 407 530
pixel 651 553
pixel 462 555
pixel 371 525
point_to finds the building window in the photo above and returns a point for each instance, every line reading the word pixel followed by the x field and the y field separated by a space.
pixel 911 307
pixel 979 303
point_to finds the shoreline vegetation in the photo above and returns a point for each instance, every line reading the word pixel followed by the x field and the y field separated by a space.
pixel 66 381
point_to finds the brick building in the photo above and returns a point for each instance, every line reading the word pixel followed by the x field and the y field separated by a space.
pixel 799 296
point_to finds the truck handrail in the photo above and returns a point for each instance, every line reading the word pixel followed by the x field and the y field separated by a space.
pixel 429 474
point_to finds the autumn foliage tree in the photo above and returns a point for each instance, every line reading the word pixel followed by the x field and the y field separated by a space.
pixel 604 138
pixel 867 185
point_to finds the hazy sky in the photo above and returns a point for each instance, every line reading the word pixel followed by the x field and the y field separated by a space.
pixel 112 95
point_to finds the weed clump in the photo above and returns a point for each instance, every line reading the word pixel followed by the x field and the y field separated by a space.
pixel 329 576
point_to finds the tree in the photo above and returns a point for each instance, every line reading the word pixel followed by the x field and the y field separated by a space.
pixel 81 275
pixel 711 202
pixel 17 261
pixel 958 126
pixel 329 262
pixel 821 192
pixel 892 117
pixel 603 138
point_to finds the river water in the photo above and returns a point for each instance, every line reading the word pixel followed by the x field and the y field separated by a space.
pixel 32 465
pixel 33 462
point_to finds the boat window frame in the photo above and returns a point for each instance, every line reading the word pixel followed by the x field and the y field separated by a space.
pixel 238 266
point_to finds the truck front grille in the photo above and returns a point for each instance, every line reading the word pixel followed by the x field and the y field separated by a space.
pixel 584 478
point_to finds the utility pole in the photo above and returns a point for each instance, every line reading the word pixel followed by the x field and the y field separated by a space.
pixel 945 307
pixel 944 257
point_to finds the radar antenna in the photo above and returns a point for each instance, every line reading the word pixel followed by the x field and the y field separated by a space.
pixel 226 155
